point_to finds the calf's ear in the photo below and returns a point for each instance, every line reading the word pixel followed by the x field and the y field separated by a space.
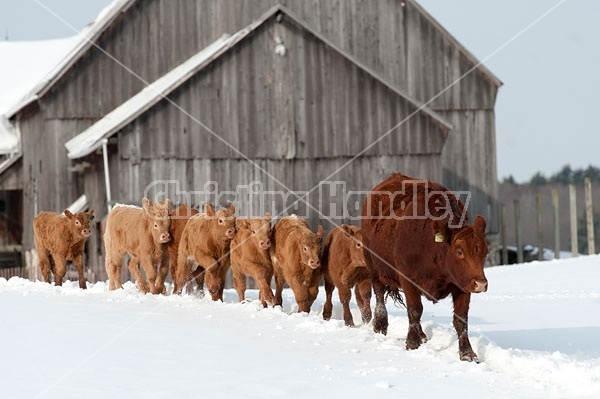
pixel 268 215
pixel 68 213
pixel 231 208
pixel 209 210
pixel 480 223
pixel 91 214
pixel 241 223
pixel 320 232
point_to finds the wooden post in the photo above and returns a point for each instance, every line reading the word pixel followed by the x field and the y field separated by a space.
pixel 573 203
pixel 504 254
pixel 540 234
pixel 589 216
pixel 518 232
pixel 556 224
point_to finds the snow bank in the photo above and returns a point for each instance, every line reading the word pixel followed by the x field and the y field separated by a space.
pixel 536 331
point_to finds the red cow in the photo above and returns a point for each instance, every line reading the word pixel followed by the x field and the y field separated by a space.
pixel 344 267
pixel 59 238
pixel 416 238
pixel 296 253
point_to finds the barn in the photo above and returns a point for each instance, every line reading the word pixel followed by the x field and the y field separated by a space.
pixel 161 97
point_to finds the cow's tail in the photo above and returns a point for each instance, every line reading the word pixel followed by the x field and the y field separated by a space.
pixel 396 296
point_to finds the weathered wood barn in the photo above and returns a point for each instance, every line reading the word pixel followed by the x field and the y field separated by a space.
pixel 286 93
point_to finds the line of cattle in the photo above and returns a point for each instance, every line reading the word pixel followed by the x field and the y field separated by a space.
pixel 432 257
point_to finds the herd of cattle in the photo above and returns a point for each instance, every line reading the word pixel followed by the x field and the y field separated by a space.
pixel 433 256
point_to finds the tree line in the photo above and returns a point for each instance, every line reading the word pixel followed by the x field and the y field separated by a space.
pixel 566 175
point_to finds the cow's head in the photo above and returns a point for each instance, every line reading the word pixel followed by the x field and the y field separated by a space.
pixel 353 238
pixel 260 230
pixel 160 221
pixel 310 248
pixel 223 220
pixel 467 250
pixel 80 223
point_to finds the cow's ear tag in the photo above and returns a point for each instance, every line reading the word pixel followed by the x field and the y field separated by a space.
pixel 439 237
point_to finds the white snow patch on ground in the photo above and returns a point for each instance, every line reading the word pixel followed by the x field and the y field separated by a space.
pixel 536 331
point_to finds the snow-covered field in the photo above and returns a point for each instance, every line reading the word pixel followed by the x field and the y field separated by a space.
pixel 537 332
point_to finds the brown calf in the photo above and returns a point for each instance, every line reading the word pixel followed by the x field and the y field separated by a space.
pixel 344 267
pixel 296 253
pixel 250 257
pixel 143 233
pixel 179 218
pixel 59 238
pixel 205 242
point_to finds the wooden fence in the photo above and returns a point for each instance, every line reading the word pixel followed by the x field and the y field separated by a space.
pixel 538 222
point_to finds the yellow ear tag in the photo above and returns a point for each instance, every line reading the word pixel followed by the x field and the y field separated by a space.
pixel 439 237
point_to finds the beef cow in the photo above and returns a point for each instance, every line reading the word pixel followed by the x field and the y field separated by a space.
pixel 416 238
pixel 250 257
pixel 344 267
pixel 203 253
pixel 60 238
pixel 296 254
pixel 143 233
pixel 179 218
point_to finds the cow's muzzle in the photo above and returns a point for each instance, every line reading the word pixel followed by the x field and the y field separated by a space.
pixel 86 233
pixel 165 237
pixel 479 285
pixel 314 264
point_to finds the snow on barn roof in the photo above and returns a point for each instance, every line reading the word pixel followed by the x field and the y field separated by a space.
pixel 91 139
pixel 79 44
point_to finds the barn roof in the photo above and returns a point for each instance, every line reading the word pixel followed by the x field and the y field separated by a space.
pixel 88 37
pixel 91 139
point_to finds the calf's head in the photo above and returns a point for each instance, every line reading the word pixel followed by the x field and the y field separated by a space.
pixel 467 250
pixel 223 221
pixel 310 248
pixel 260 230
pixel 353 240
pixel 160 221
pixel 80 223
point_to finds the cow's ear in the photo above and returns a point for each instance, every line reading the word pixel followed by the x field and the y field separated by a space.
pixel 147 207
pixel 268 215
pixel 320 232
pixel 231 208
pixel 480 224
pixel 441 232
pixel 91 214
pixel 209 210
pixel 68 214
pixel 241 223
pixel 167 205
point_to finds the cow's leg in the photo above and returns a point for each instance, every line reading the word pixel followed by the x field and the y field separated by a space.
pixel 60 269
pixel 380 319
pixel 44 263
pixel 223 269
pixel 263 280
pixel 79 266
pixel 163 271
pixel 362 291
pixel 414 307
pixel 182 272
pixel 301 295
pixel 111 269
pixel 239 281
pixel 151 273
pixel 198 277
pixel 345 296
pixel 461 316
pixel 313 292
pixel 134 268
pixel 279 282
pixel 328 307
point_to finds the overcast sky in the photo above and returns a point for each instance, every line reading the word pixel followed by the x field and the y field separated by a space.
pixel 546 109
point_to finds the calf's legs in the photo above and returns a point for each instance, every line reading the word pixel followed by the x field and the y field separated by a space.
pixel 414 307
pixel 362 291
pixel 328 308
pixel 380 319
pixel 79 266
pixel 44 263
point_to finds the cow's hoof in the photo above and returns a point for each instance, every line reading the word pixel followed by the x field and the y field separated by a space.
pixel 380 328
pixel 412 344
pixel 469 357
pixel 83 287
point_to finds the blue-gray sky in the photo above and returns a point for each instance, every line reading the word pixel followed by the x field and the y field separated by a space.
pixel 546 109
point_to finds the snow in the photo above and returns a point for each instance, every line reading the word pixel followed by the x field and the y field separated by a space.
pixel 536 331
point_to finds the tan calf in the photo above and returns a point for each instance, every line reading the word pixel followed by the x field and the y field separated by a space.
pixel 296 253
pixel 143 233
pixel 204 250
pixel 250 257
pixel 344 267
pixel 60 238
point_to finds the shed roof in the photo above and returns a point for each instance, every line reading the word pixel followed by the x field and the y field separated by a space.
pixel 91 139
